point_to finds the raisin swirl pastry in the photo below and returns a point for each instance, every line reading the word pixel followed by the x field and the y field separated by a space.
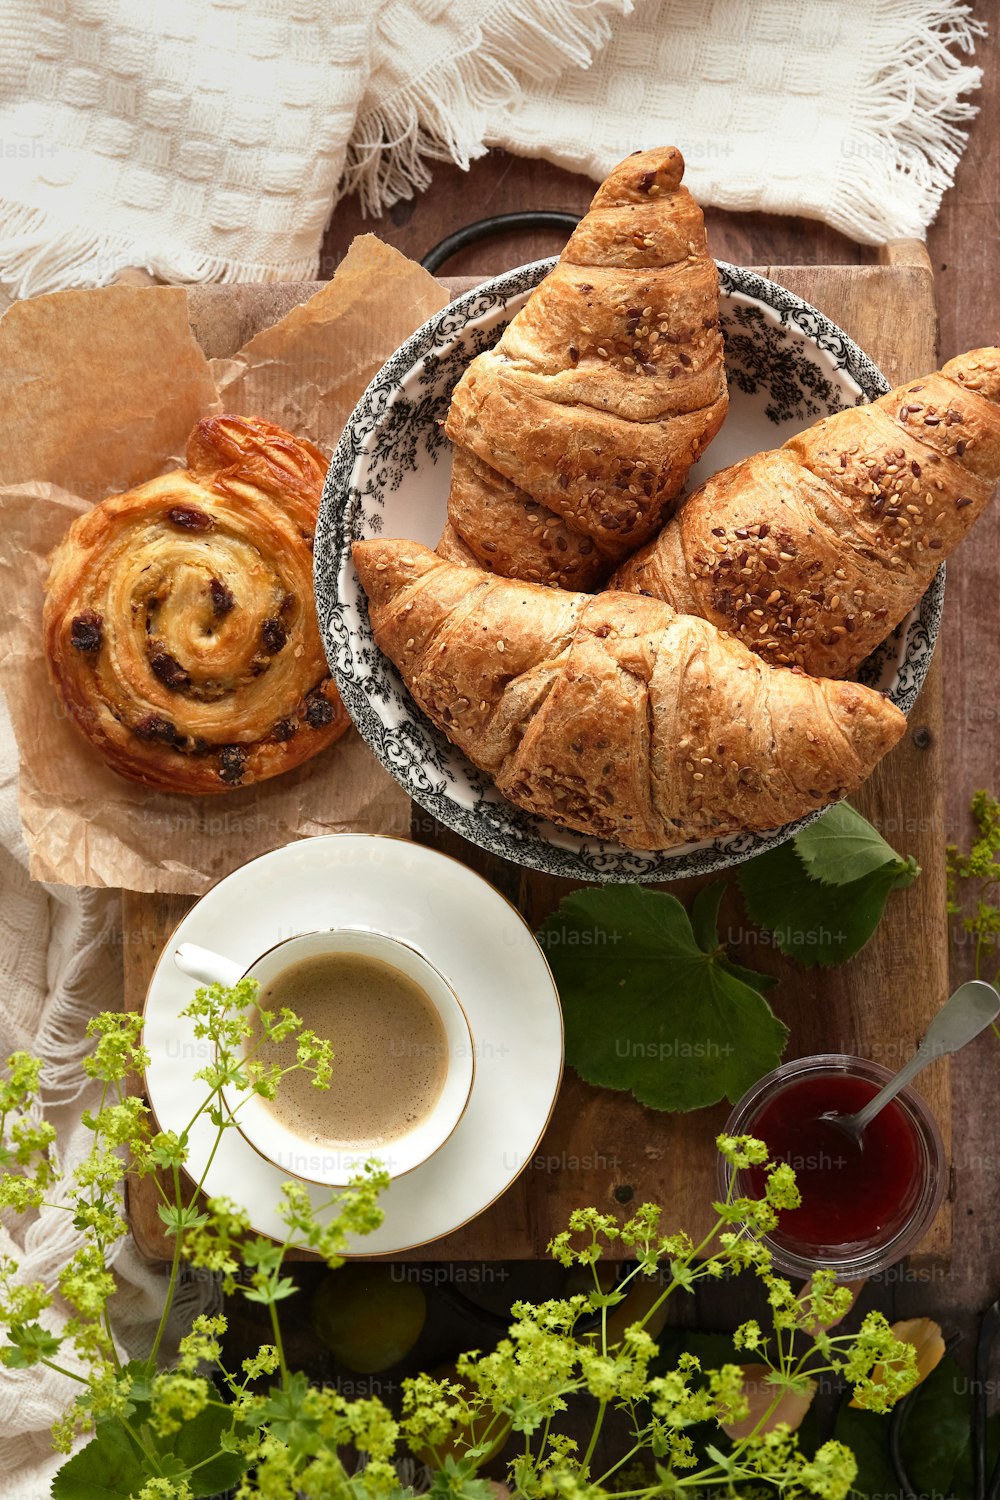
pixel 179 623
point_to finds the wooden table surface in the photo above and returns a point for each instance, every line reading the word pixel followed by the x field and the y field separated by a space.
pixel 963 251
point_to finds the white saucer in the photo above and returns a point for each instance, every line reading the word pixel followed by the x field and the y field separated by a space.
pixel 467 930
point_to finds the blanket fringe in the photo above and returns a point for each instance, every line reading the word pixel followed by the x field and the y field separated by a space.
pixel 442 114
pixel 40 254
pixel 911 122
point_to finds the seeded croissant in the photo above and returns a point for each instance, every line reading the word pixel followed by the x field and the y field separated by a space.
pixel 179 623
pixel 612 714
pixel 576 432
pixel 812 553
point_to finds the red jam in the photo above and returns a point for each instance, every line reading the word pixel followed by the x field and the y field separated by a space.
pixel 850 1197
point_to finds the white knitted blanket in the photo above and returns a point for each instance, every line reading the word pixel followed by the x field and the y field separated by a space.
pixel 60 963
pixel 212 141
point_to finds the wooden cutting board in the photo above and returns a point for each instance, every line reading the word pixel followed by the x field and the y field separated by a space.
pixel 601 1147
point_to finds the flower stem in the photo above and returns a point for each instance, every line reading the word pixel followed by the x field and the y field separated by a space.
pixel 598 1424
pixel 272 1308
pixel 174 1268
pixel 61 1370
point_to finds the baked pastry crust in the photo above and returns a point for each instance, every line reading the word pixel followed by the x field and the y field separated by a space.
pixel 612 714
pixel 179 624
pixel 812 553
pixel 576 432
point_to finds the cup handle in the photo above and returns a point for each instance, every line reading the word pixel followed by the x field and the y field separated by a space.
pixel 205 966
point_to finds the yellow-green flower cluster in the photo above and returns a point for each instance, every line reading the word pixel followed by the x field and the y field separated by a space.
pixel 118 1050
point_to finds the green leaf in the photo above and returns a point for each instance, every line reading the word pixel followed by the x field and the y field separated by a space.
pixel 936 1428
pixel 705 926
pixel 263 1254
pixel 113 1466
pixel 648 1009
pixel 934 1444
pixel 284 1413
pixel 29 1342
pixel 811 922
pixel 200 1439
pixel 179 1216
pixel 866 1433
pixel 598 1300
pixel 842 846
pixel 744 975
pixel 109 1467
pixel 723 1460
pixel 274 1289
pixel 458 1481
pixel 142 1379
pixel 705 915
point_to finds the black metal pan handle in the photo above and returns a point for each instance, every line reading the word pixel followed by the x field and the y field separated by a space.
pixel 484 229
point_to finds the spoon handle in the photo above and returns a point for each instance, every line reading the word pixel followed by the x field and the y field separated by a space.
pixel 963 1016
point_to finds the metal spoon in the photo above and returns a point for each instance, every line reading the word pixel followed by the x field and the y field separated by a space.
pixel 968 1012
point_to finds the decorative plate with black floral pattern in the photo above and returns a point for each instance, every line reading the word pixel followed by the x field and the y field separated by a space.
pixel 787 365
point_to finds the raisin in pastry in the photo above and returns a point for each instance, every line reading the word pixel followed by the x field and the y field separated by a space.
pixel 179 624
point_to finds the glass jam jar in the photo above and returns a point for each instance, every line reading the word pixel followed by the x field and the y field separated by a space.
pixel 863 1208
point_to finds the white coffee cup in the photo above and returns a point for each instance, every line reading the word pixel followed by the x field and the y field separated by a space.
pixel 330 1164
